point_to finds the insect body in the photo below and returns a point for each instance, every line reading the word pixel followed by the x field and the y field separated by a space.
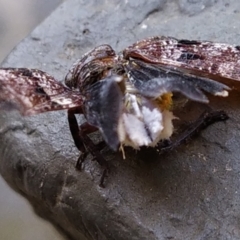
pixel 131 96
pixel 127 96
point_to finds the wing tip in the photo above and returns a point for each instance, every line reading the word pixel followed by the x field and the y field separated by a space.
pixel 223 93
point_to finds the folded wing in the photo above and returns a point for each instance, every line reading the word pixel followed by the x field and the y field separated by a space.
pixel 103 107
pixel 152 80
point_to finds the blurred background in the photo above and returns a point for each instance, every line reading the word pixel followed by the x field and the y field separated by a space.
pixel 18 18
pixel 17 220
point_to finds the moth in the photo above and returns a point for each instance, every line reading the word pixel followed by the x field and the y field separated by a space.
pixel 126 96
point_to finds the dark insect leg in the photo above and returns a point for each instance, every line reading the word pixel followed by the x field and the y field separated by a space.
pixel 87 129
pixel 94 150
pixel 84 143
pixel 74 129
pixel 207 118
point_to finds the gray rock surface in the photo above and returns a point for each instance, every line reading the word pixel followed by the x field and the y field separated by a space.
pixel 191 193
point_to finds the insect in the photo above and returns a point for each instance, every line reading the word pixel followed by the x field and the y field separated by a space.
pixel 126 96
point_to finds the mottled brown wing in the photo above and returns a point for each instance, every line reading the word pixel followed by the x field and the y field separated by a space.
pixel 207 59
pixel 33 91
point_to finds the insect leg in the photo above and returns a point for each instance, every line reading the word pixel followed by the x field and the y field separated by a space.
pixel 84 143
pixel 206 118
pixel 87 129
pixel 74 128
pixel 94 150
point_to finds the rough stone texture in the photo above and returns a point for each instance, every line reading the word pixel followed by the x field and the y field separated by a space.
pixel 191 193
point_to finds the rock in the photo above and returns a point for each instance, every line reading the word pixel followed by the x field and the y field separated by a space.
pixel 190 193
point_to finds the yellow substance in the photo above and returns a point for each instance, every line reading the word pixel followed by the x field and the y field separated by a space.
pixel 165 101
